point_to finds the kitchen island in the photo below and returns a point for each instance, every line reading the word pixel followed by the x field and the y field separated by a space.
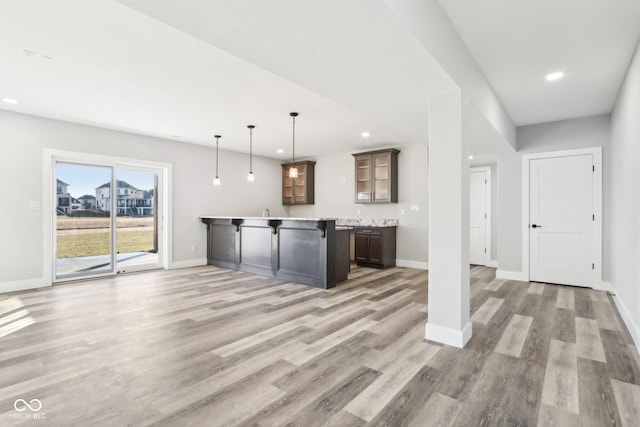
pixel 302 250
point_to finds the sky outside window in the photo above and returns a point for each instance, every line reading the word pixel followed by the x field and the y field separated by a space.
pixel 84 179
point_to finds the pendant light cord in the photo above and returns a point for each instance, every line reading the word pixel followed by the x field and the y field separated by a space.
pixel 293 157
pixel 217 144
pixel 250 149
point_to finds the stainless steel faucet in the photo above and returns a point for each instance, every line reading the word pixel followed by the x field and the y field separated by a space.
pixel 266 213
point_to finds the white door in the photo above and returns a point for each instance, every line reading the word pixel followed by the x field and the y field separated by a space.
pixel 478 217
pixel 561 221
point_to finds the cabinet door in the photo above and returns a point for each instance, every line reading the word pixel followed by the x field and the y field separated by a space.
pixel 375 249
pixel 362 248
pixel 300 185
pixel 298 191
pixel 381 177
pixel 288 185
pixel 363 179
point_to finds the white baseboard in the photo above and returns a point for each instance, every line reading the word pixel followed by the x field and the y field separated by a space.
pixel 634 329
pixel 511 275
pixel 23 285
pixel 448 336
pixel 492 263
pixel 412 264
pixel 604 286
pixel 188 263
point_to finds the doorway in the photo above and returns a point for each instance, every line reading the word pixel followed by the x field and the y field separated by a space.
pixel 479 215
pixel 562 217
pixel 107 218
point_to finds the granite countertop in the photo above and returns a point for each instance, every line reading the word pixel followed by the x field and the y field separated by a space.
pixel 367 222
pixel 340 222
pixel 277 218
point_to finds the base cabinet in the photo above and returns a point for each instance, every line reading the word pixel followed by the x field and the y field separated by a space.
pixel 310 251
pixel 375 246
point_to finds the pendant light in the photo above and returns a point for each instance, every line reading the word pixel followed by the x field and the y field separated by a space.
pixel 293 170
pixel 216 180
pixel 251 177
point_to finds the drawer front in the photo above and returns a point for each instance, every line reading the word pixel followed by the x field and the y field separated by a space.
pixel 368 231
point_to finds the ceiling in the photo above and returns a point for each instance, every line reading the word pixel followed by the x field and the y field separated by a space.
pixel 516 43
pixel 191 69
pixel 188 70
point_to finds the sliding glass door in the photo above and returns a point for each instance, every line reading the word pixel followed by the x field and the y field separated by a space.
pixel 83 224
pixel 136 219
pixel 106 219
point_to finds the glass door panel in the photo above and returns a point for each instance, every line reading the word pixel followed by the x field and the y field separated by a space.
pixel 136 219
pixel 363 179
pixel 381 177
pixel 288 196
pixel 83 223
pixel 300 184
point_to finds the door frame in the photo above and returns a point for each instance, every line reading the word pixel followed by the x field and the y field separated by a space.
pixel 487 226
pixel 596 152
pixel 50 156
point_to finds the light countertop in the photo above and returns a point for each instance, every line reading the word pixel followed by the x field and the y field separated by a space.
pixel 277 218
pixel 345 222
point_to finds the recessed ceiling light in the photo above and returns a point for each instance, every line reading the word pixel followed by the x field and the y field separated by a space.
pixel 554 76
pixel 280 150
pixel 366 134
pixel 9 100
pixel 470 157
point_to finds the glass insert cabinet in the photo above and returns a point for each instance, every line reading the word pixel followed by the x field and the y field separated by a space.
pixel 300 190
pixel 376 174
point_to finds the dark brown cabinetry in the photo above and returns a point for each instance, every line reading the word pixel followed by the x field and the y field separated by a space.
pixel 375 246
pixel 300 190
pixel 342 264
pixel 309 251
pixel 377 176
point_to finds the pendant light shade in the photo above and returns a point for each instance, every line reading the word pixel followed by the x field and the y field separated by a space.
pixel 293 170
pixel 251 177
pixel 216 180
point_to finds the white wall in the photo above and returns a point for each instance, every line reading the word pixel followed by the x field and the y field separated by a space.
pixel 570 134
pixel 509 212
pixel 625 199
pixel 334 197
pixel 546 137
pixel 25 137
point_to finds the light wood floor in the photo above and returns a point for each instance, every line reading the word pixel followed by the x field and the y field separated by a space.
pixel 209 346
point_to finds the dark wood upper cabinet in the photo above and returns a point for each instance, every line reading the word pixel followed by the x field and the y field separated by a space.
pixel 300 190
pixel 377 176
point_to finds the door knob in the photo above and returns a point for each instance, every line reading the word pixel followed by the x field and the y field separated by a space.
pixel 535 226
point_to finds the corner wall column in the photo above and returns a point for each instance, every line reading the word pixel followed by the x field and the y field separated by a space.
pixel 448 317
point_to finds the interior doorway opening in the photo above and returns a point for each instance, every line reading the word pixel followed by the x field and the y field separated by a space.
pixel 480 215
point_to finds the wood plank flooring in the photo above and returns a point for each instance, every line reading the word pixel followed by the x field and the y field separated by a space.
pixel 210 346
